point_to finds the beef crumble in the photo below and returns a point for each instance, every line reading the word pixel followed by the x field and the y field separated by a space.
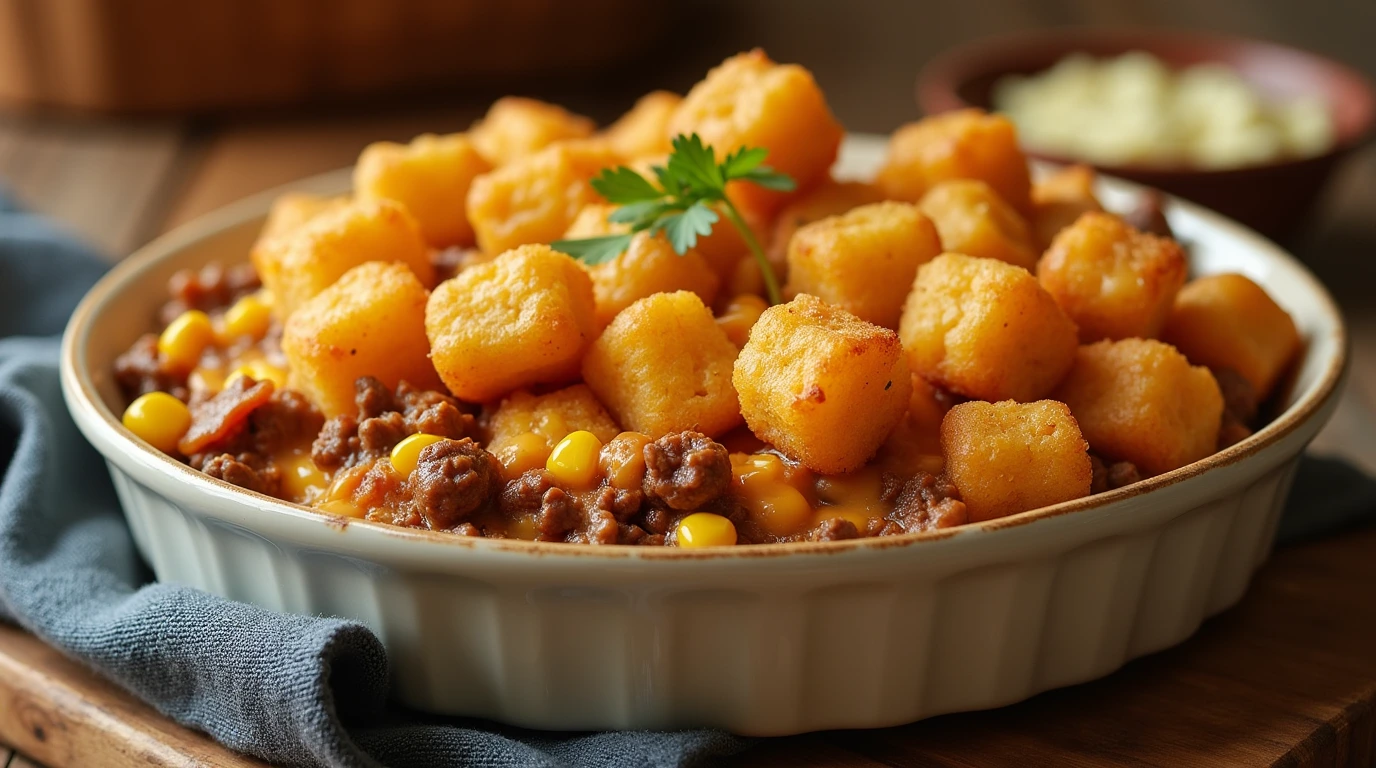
pixel 140 370
pixel 925 502
pixel 210 288
pixel 1149 214
pixel 246 470
pixel 383 418
pixel 240 431
pixel 453 479
pixel 535 494
pixel 1111 476
pixel 219 418
pixel 834 529
pixel 1239 406
pixel 686 470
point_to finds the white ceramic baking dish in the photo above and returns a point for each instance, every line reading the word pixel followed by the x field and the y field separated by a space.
pixel 766 640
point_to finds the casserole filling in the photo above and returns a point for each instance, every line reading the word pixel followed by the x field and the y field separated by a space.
pixel 949 344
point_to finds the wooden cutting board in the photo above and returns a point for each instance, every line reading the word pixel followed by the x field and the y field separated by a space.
pixel 1286 678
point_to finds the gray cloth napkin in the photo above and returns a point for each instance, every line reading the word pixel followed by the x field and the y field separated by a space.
pixel 289 689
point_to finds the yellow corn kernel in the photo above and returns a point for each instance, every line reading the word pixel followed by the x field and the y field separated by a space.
pixel 757 469
pixel 623 460
pixel 740 316
pixel 704 529
pixel 345 482
pixel 184 339
pixel 259 370
pixel 861 488
pixel 302 481
pixel 573 462
pixel 208 380
pixel 524 527
pixel 779 508
pixel 406 454
pixel 249 316
pixel 340 507
pixel 523 453
pixel 159 419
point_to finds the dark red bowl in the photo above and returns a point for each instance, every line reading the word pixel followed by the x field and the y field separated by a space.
pixel 1273 198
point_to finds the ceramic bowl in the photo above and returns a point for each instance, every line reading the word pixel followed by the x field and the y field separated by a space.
pixel 764 639
pixel 1273 198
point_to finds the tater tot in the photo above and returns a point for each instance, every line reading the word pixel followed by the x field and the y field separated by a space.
pixel 975 221
pixel 1113 281
pixel 985 329
pixel 524 318
pixel 1059 199
pixel 1140 400
pixel 749 101
pixel 1228 321
pixel 863 261
pixel 1009 457
pixel 967 144
pixel 820 384
pixel 516 127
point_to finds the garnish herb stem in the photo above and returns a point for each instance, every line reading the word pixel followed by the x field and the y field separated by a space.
pixel 689 198
pixel 771 283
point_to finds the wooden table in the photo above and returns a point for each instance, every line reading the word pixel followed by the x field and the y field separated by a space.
pixel 1286 678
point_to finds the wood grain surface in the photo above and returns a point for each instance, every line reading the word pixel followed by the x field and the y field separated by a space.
pixel 1287 678
pixel 59 713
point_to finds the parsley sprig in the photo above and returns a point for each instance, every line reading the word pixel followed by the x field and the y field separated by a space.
pixel 689 198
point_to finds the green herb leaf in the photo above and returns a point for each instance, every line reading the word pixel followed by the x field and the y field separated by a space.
pixel 623 186
pixel 770 179
pixel 683 229
pixel 695 166
pixel 640 215
pixel 743 161
pixel 672 188
pixel 690 198
pixel 594 250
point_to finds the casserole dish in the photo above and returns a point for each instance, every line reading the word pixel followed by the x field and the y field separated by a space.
pixel 763 640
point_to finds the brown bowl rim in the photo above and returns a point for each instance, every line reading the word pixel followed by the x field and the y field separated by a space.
pixel 941 78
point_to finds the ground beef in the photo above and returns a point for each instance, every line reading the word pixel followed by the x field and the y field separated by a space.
pixel 686 470
pixel 244 470
pixel 834 529
pixel 620 503
pixel 139 371
pixel 212 287
pixel 286 420
pixel 1108 477
pixel 443 419
pixel 372 398
pixel 452 480
pixel 1239 406
pixel 536 494
pixel 657 520
pixel 1148 215
pixel 386 496
pixel 383 418
pixel 379 435
pixel 599 527
pixel 336 443
pixel 220 419
pixel 1231 432
pixel 926 502
pixel 435 413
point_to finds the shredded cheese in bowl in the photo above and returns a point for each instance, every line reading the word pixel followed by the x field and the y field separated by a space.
pixel 1133 109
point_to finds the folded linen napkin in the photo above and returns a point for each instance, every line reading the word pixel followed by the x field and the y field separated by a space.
pixel 292 690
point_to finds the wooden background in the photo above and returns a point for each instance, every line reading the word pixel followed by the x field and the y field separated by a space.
pixel 1287 678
